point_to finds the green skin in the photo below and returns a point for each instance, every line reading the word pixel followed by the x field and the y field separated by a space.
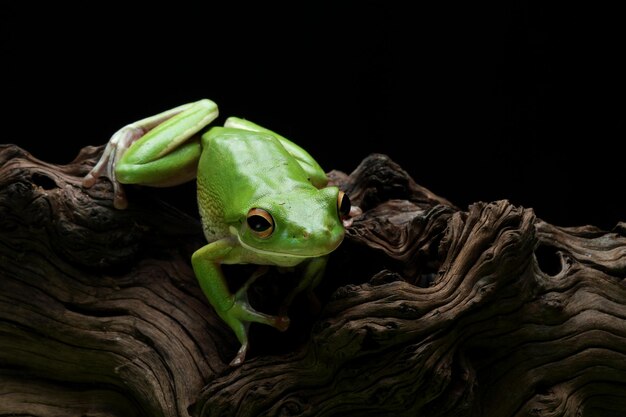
pixel 239 167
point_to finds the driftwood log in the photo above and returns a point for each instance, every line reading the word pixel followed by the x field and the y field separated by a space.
pixel 425 310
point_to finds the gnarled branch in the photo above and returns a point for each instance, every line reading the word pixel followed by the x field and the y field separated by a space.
pixel 426 309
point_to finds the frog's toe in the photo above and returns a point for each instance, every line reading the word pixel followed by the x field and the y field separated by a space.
pixel 241 355
pixel 281 323
pixel 89 180
pixel 119 199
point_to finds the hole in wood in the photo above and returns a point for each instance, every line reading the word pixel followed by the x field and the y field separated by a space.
pixel 549 260
pixel 43 181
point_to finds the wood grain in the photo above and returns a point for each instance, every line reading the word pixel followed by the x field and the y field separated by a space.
pixel 427 309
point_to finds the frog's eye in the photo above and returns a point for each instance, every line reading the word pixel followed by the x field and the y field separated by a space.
pixel 260 222
pixel 343 204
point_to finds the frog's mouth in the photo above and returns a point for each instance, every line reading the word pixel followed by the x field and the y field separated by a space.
pixel 284 254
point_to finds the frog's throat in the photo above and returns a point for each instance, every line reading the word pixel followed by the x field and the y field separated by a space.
pixel 275 253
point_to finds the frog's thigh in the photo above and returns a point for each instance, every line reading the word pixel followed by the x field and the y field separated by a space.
pixel 177 167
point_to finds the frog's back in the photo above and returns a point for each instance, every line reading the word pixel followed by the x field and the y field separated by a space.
pixel 238 167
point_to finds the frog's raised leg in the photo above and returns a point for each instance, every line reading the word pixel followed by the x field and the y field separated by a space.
pixel 314 171
pixel 154 151
pixel 233 309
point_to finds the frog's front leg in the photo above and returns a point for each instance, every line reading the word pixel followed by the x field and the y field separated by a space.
pixel 155 150
pixel 233 309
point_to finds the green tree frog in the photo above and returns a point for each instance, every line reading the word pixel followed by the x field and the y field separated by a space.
pixel 262 200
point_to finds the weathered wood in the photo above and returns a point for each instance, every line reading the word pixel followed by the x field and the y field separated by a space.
pixel 426 309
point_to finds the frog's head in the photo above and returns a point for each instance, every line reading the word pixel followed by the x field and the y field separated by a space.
pixel 304 222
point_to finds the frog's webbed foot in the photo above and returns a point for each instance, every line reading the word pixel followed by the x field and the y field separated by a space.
pixel 105 167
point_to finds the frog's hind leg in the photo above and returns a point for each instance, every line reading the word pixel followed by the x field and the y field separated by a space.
pixel 162 138
pixel 174 168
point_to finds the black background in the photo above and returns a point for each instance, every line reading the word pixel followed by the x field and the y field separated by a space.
pixel 477 102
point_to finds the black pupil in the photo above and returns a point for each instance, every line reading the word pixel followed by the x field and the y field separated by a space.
pixel 344 206
pixel 258 223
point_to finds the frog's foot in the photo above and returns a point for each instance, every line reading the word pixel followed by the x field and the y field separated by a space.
pixel 105 167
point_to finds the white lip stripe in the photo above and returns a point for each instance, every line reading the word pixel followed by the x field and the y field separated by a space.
pixel 272 253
